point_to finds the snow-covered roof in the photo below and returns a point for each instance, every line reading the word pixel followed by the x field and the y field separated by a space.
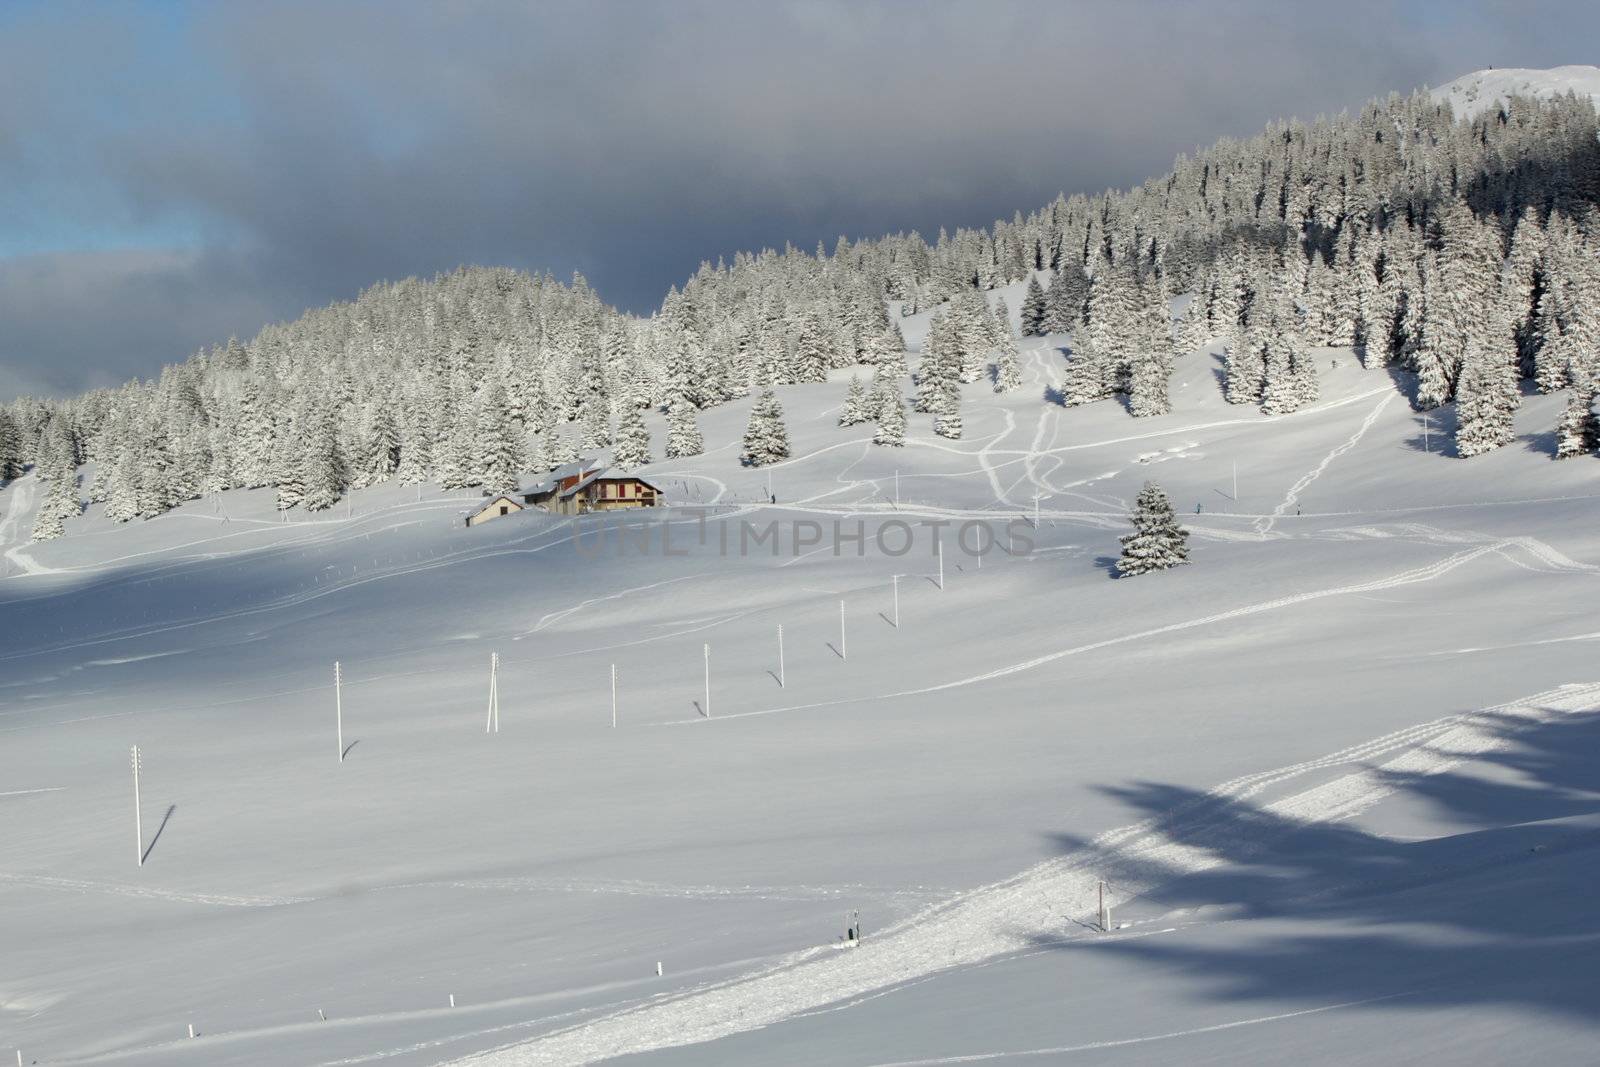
pixel 609 474
pixel 555 476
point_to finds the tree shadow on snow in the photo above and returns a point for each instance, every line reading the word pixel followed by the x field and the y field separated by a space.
pixel 1493 907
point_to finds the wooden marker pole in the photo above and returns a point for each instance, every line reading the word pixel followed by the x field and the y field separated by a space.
pixel 138 823
pixel 491 721
pixel 338 707
pixel 781 683
pixel 842 652
pixel 938 548
pixel 896 581
pixel 613 696
pixel 708 680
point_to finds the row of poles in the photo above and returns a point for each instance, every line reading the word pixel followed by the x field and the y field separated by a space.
pixel 491 724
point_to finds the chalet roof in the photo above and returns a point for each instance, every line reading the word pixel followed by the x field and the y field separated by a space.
pixel 609 474
pixel 567 470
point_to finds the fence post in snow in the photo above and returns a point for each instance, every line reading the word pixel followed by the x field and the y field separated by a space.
pixel 708 680
pixel 938 550
pixel 658 968
pixel 896 580
pixel 842 654
pixel 613 696
pixel 138 825
pixel 191 1030
pixel 452 1000
pixel 781 684
pixel 1105 912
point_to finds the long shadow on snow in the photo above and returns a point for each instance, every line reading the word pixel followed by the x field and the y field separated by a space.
pixel 1498 914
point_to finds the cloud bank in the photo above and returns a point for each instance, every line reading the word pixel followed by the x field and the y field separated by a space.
pixel 176 174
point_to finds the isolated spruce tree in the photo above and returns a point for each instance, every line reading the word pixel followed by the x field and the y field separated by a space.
pixel 1033 309
pixel 683 433
pixel 855 407
pixel 1157 541
pixel 632 447
pixel 765 438
pixel 890 410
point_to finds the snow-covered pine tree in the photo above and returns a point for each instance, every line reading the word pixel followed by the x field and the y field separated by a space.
pixel 1578 431
pixel 1157 541
pixel 854 410
pixel 947 418
pixel 323 468
pixel 683 433
pixel 1486 402
pixel 1064 299
pixel 766 440
pixel 561 449
pixel 122 487
pixel 632 447
pixel 940 360
pixel 890 410
pixel 498 459
pixel 1007 371
pixel 1150 373
pixel 1034 311
pixel 10 448
pixel 59 504
pixel 999 319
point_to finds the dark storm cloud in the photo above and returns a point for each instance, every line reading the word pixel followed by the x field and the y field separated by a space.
pixel 176 174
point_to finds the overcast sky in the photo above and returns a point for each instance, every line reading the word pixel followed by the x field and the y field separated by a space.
pixel 171 174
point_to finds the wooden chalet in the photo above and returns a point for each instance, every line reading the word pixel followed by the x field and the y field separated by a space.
pixel 582 487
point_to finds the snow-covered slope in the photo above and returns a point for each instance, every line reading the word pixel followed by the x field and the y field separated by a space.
pixel 1337 773
pixel 1472 94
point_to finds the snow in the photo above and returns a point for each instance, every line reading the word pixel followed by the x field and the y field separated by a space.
pixel 1472 94
pixel 1337 772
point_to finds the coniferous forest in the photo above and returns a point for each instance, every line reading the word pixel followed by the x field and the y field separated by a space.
pixel 1463 253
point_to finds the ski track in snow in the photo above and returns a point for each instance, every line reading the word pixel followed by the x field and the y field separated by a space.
pixel 1264 525
pixel 22 493
pixel 1009 917
pixel 1061 1050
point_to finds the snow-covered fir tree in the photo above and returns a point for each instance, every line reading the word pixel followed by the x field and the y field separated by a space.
pixel 1578 432
pixel 889 409
pixel 632 447
pixel 766 439
pixel 683 431
pixel 1007 369
pixel 60 503
pixel 947 416
pixel 1486 402
pixel 1157 541
pixel 1035 313
pixel 855 409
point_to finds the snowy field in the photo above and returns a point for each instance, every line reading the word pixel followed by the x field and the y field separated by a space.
pixel 1337 774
